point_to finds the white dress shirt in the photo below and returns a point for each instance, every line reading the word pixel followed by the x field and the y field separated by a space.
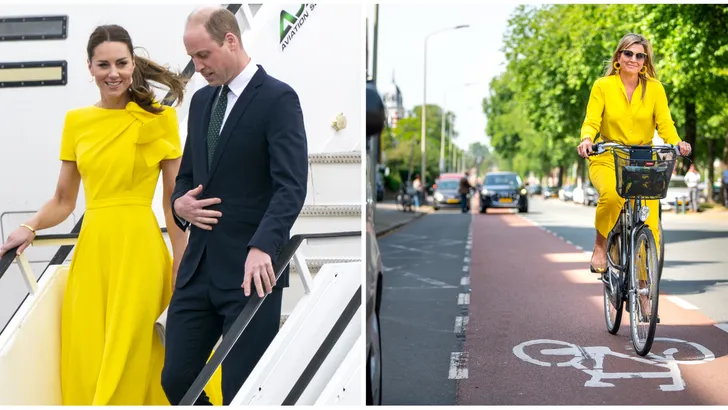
pixel 237 86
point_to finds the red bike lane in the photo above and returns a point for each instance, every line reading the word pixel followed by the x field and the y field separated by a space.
pixel 536 332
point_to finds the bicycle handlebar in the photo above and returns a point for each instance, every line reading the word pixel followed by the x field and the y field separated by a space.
pixel 600 148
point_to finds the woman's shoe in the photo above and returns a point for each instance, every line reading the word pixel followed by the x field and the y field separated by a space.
pixel 599 269
pixel 595 270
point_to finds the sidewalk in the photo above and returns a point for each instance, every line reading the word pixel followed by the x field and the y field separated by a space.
pixel 388 218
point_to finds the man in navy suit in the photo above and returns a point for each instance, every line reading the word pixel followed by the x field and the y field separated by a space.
pixel 241 186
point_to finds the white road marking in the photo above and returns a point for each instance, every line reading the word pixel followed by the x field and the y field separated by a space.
pixel 458 365
pixel 722 326
pixel 464 299
pixel 465 281
pixel 429 281
pixel 461 325
pixel 466 260
pixel 593 356
pixel 466 268
pixel 682 303
pixel 449 255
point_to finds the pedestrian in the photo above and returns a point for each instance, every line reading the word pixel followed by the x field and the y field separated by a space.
pixel 243 124
pixel 464 190
pixel 692 179
pixel 417 186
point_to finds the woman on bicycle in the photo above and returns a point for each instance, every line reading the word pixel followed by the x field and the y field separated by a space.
pixel 626 105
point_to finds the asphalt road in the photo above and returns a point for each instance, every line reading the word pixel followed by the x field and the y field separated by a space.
pixel 536 331
pixel 425 274
pixel 513 315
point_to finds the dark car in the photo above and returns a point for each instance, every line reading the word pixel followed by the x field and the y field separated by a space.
pixel 503 190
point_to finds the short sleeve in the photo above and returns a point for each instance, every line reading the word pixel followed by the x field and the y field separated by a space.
pixel 68 139
pixel 158 137
pixel 172 133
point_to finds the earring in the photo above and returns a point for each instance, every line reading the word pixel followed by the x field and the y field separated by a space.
pixel 616 65
pixel 643 70
pixel 91 80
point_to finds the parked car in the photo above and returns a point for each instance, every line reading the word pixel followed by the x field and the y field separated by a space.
pixel 585 195
pixel 503 190
pixel 566 193
pixel 677 189
pixel 550 192
pixel 534 189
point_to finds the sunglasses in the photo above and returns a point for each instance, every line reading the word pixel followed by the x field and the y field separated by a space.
pixel 630 53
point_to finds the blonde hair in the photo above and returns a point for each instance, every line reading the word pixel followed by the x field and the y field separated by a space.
pixel 626 42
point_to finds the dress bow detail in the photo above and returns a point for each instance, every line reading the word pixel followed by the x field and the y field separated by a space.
pixel 151 140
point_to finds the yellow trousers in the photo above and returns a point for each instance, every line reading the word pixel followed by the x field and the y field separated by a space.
pixel 602 176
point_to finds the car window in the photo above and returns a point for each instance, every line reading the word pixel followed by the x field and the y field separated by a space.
pixel 448 184
pixel 512 180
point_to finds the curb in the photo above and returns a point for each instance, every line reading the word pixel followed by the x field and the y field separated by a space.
pixel 389 229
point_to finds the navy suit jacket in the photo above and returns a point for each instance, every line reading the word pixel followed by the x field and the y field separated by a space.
pixel 259 171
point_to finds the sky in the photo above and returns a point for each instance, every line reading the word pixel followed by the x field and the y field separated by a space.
pixel 455 58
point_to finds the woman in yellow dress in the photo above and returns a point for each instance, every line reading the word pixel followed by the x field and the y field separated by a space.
pixel 121 277
pixel 625 106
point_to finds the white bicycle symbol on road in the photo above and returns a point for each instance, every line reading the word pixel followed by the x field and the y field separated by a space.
pixel 582 357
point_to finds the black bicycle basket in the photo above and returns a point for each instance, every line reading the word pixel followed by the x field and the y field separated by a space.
pixel 644 178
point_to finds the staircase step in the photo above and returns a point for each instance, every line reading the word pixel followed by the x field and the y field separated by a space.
pixel 315 264
pixel 352 157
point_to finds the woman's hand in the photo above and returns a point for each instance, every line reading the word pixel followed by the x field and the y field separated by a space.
pixel 685 148
pixel 22 237
pixel 585 147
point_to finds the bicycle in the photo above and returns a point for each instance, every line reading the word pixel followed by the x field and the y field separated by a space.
pixel 642 173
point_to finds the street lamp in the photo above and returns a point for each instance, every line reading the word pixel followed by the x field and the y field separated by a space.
pixel 442 132
pixel 423 149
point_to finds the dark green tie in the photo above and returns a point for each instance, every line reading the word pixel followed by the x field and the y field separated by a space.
pixel 213 132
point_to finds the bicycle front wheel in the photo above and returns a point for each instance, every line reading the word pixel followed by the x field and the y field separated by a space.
pixel 644 292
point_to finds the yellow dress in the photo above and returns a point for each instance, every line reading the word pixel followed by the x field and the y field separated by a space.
pixel 617 119
pixel 121 272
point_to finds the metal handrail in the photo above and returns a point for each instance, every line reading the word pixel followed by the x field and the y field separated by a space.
pixel 244 318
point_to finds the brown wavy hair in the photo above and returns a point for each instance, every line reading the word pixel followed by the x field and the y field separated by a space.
pixel 145 70
pixel 626 42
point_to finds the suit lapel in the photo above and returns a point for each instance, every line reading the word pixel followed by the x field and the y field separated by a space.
pixel 201 143
pixel 236 113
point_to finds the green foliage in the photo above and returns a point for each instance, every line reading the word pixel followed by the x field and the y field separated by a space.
pixel 554 54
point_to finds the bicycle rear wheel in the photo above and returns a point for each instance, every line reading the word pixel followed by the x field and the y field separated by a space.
pixel 613 290
pixel 644 292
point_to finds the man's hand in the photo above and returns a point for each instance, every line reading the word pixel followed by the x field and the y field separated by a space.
pixel 192 210
pixel 258 268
